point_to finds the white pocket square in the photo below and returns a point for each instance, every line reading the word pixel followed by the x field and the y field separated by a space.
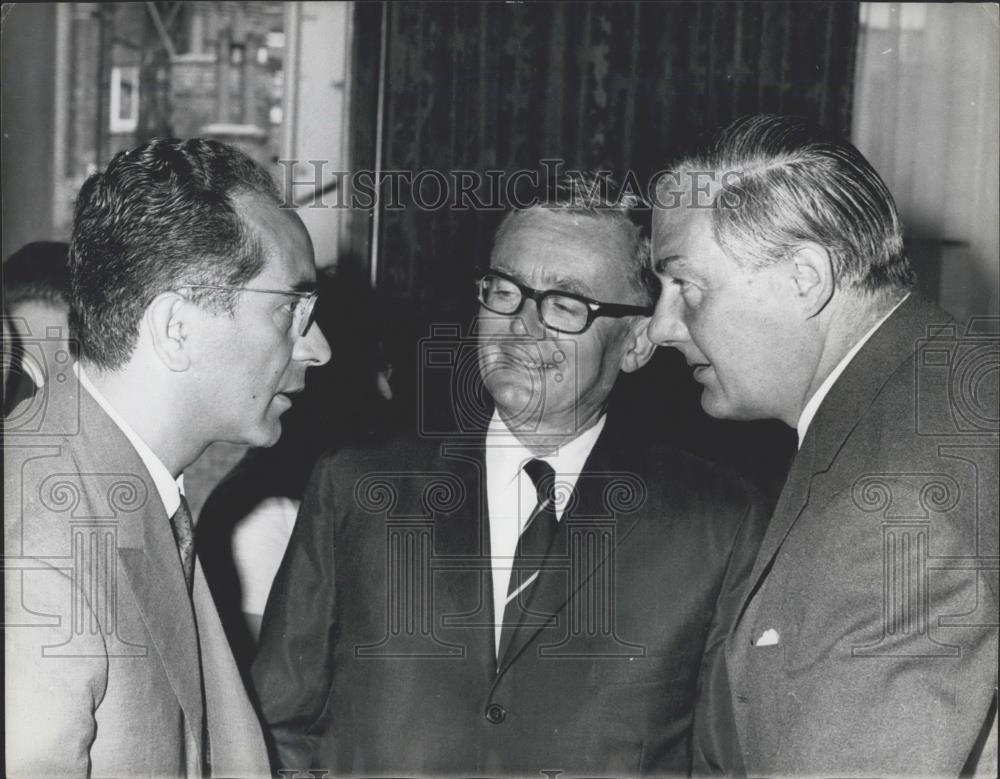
pixel 769 637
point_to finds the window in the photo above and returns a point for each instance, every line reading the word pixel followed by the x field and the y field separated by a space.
pixel 124 99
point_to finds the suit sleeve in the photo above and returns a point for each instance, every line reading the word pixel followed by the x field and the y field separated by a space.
pixel 52 687
pixel 293 669
pixel 715 748
pixel 50 700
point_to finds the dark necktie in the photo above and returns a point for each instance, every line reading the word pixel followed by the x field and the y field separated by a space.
pixel 532 546
pixel 184 536
pixel 183 528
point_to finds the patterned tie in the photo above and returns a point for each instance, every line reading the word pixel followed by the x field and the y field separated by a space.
pixel 532 546
pixel 184 536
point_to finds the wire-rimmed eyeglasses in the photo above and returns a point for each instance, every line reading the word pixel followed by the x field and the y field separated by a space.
pixel 565 312
pixel 301 308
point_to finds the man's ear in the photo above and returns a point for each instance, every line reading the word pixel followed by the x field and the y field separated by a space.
pixel 638 347
pixel 169 321
pixel 813 277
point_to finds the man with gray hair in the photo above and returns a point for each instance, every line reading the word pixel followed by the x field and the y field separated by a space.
pixel 533 591
pixel 867 642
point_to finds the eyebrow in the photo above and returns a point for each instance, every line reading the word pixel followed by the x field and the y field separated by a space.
pixel 661 264
pixel 559 283
pixel 674 264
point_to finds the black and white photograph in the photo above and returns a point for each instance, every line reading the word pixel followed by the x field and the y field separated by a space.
pixel 500 390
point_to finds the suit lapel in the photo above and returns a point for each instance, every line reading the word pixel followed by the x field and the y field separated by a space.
pixel 464 586
pixel 148 557
pixel 236 742
pixel 861 382
pixel 791 503
pixel 590 510
pixel 161 594
pixel 840 412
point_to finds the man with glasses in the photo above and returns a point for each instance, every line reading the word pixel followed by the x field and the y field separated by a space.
pixel 191 294
pixel 540 594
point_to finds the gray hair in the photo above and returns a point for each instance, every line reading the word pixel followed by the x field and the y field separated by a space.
pixel 598 196
pixel 786 181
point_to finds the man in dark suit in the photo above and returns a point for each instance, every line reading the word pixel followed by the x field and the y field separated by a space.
pixel 190 305
pixel 867 643
pixel 533 591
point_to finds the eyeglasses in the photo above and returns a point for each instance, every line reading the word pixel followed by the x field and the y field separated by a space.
pixel 301 308
pixel 565 312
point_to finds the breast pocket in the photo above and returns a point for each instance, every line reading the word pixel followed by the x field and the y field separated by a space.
pixel 767 696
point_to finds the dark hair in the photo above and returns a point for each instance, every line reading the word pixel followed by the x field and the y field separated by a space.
pixel 161 216
pixel 786 181
pixel 37 271
pixel 598 196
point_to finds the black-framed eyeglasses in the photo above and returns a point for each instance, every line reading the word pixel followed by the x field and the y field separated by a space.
pixel 565 312
pixel 302 306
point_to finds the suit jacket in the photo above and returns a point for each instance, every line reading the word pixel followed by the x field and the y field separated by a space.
pixel 377 649
pixel 111 668
pixel 868 644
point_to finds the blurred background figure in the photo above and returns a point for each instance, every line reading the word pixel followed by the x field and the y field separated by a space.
pixel 35 307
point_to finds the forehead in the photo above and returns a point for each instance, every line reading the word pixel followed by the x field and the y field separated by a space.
pixel 283 238
pixel 683 236
pixel 563 250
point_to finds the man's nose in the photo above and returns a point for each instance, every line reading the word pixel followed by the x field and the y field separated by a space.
pixel 666 327
pixel 527 321
pixel 312 347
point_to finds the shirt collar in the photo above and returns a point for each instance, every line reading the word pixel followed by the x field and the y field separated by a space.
pixel 169 489
pixel 506 454
pixel 809 412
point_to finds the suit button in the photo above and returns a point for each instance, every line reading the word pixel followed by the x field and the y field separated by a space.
pixel 495 714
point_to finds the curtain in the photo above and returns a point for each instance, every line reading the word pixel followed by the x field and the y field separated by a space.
pixel 927 115
pixel 619 86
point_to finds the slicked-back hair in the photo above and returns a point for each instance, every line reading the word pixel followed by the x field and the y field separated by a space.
pixel 160 216
pixel 599 197
pixel 787 181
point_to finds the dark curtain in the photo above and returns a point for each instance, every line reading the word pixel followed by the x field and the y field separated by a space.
pixel 621 86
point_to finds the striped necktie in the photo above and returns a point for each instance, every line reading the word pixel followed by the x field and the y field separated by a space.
pixel 532 546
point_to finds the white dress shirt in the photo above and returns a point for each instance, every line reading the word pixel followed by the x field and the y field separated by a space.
pixel 511 495
pixel 806 418
pixel 167 488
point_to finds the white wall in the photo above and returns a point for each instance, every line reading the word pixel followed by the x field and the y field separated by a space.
pixel 927 115
pixel 317 44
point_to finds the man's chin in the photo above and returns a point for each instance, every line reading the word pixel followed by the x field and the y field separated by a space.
pixel 520 405
pixel 719 406
pixel 265 435
pixel 713 404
